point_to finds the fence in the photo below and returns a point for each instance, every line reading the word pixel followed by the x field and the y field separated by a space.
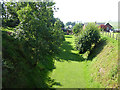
pixel 116 36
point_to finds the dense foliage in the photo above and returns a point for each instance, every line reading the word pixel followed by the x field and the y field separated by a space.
pixel 87 38
pixel 58 31
pixel 70 23
pixel 36 40
pixel 17 68
pixel 77 28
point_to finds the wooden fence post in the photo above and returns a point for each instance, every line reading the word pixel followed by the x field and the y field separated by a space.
pixel 113 35
pixel 116 37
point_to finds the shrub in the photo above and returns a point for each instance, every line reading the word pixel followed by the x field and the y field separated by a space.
pixel 65 33
pixel 87 38
pixel 77 28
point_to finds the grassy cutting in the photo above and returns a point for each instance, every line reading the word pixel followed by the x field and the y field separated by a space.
pixel 72 70
pixel 98 70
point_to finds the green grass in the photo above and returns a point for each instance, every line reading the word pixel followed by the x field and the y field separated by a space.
pixel 72 70
pixel 104 65
pixel 97 69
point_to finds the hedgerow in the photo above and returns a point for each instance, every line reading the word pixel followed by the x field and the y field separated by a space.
pixel 29 50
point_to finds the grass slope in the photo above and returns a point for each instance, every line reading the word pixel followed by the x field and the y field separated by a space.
pixel 105 62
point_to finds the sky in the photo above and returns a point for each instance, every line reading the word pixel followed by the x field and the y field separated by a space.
pixel 87 10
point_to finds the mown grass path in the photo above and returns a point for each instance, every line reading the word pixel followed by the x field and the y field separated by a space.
pixel 72 70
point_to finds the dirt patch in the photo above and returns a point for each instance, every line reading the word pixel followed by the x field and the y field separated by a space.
pixel 101 70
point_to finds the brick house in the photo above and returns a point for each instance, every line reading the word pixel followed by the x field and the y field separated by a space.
pixel 107 27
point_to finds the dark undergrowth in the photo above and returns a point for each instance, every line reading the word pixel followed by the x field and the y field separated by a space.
pixel 17 70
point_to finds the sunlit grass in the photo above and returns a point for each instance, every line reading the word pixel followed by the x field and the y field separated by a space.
pixel 73 70
pixel 98 70
pixel 104 65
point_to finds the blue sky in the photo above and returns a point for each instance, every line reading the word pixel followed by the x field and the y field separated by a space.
pixel 87 10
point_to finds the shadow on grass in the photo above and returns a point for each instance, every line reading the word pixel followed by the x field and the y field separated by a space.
pixel 68 37
pixel 53 82
pixel 67 55
pixel 97 49
pixel 57 84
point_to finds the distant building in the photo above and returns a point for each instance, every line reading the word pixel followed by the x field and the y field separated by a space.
pixel 105 26
pixel 108 27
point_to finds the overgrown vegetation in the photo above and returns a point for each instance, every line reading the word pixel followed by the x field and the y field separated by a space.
pixel 32 46
pixel 17 66
pixel 104 66
pixel 88 37
pixel 77 28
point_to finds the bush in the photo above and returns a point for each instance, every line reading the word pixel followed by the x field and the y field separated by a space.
pixel 65 33
pixel 87 38
pixel 77 28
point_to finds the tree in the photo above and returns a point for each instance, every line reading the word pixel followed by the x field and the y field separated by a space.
pixel 37 30
pixel 70 23
pixel 73 24
pixel 9 13
pixel 58 31
pixel 77 28
pixel 36 43
pixel 87 38
pixel 57 20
